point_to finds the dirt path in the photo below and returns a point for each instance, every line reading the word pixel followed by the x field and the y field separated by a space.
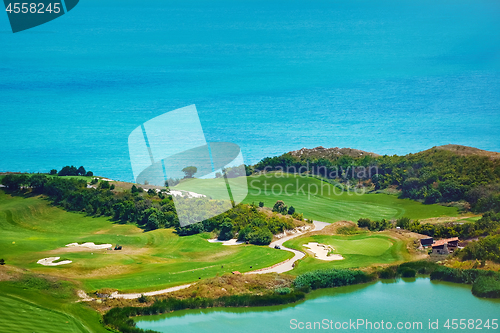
pixel 281 267
pixel 288 264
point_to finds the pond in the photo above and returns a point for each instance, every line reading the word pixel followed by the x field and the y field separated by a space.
pixel 406 305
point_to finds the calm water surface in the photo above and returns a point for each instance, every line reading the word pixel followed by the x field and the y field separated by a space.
pixel 272 76
pixel 412 300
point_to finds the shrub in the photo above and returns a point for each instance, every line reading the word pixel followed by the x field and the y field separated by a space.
pixel 486 286
pixel 387 273
pixel 2 262
pixel 280 207
pixel 143 299
pixel 331 278
pixel 261 204
pixel 283 291
pixel 408 272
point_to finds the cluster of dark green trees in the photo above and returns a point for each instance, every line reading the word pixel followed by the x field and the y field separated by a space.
pixel 250 224
pixel 282 208
pixel 430 176
pixel 374 225
pixel 150 210
pixel 72 171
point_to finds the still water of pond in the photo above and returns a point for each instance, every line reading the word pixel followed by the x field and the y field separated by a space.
pixel 362 308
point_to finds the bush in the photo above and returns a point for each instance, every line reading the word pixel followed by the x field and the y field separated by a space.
pixel 261 237
pixel 283 291
pixel 421 266
pixel 387 273
pixel 408 272
pixel 467 276
pixel 486 286
pixel 143 299
pixel 261 204
pixel 226 231
pixel 331 278
pixel 2 262
pixel 280 207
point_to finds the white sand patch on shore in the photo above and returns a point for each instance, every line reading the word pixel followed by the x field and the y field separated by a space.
pixel 321 251
pixel 176 193
pixel 233 241
pixel 50 261
pixel 91 245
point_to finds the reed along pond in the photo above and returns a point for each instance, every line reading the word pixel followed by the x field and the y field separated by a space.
pixel 406 305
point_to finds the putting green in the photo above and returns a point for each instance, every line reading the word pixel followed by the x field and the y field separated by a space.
pixel 358 251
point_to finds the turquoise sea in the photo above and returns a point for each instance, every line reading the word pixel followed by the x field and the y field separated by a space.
pixel 386 76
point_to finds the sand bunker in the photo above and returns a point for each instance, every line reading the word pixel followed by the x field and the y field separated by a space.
pixel 50 261
pixel 91 245
pixel 321 251
pixel 233 241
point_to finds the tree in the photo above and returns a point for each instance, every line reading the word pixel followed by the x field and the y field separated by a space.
pixel 53 172
pixel 13 182
pixel 81 171
pixel 364 223
pixel 68 171
pixel 151 192
pixel 291 210
pixel 153 222
pixel 37 182
pixel 403 222
pixel 94 181
pixel 189 171
pixel 226 230
pixel 2 262
pixel 262 236
pixel 89 174
pixel 280 207
pixel 104 185
pixel 112 187
pixel 134 189
pixel 261 204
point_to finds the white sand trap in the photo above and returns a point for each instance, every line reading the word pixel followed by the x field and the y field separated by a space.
pixel 321 251
pixel 186 193
pixel 91 245
pixel 50 261
pixel 233 241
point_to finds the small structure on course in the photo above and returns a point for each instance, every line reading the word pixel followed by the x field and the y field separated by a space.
pixel 445 246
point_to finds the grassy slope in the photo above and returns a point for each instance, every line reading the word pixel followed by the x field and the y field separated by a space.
pixel 32 229
pixel 326 205
pixel 27 309
pixel 358 251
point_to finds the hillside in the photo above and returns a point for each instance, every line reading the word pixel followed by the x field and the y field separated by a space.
pixel 465 151
pixel 329 153
pixel 335 153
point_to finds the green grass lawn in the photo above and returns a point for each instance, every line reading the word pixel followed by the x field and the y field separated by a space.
pixel 358 251
pixel 320 201
pixel 25 307
pixel 32 229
